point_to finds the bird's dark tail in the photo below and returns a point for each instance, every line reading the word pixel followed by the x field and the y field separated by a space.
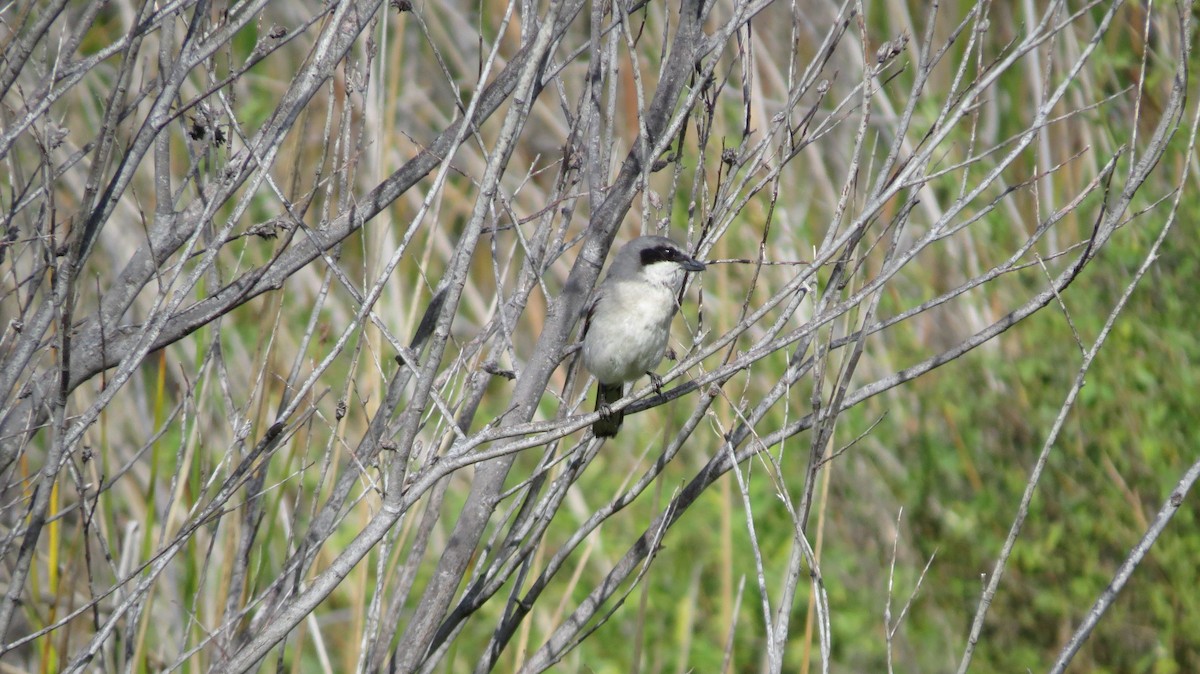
pixel 610 420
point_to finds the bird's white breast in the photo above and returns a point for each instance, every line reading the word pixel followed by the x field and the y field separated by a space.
pixel 629 329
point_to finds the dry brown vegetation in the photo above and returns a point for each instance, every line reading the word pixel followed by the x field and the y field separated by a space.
pixel 221 449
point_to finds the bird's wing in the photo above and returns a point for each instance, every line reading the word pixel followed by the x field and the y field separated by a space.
pixel 589 311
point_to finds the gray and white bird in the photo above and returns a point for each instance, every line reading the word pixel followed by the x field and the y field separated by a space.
pixel 629 321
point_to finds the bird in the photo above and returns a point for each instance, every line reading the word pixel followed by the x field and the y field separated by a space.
pixel 629 320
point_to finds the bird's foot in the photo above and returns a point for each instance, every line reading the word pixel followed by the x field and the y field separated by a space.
pixel 657 382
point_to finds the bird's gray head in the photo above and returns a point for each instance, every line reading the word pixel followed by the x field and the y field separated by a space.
pixel 653 258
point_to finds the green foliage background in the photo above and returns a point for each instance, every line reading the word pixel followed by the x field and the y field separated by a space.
pixel 937 480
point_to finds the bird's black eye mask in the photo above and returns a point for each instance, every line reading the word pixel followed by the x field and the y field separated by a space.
pixel 661 254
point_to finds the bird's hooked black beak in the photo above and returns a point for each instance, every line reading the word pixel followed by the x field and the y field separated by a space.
pixel 691 264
